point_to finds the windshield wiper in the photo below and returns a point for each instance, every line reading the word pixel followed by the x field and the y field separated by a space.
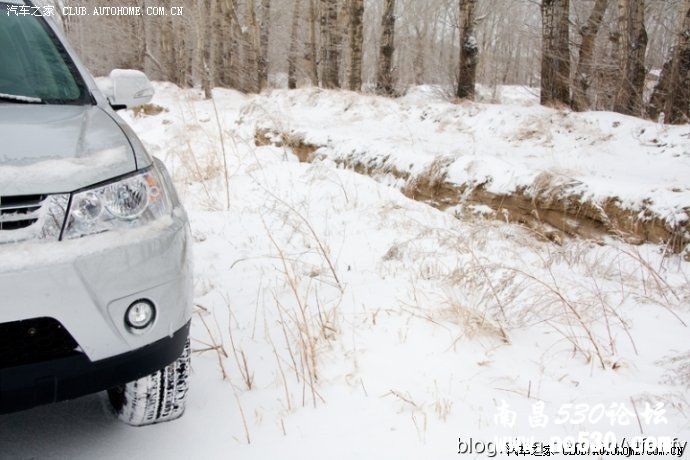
pixel 20 99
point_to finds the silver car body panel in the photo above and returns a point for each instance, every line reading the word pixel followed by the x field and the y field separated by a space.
pixel 59 148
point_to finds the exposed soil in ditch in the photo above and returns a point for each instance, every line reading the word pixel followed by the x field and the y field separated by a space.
pixel 550 215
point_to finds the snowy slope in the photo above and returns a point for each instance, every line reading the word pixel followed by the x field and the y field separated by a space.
pixel 504 148
pixel 372 326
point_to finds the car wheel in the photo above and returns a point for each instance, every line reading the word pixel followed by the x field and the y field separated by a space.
pixel 156 398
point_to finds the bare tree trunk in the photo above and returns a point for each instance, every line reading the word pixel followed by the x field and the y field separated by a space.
pixel 323 39
pixel 384 77
pixel 203 46
pixel 555 63
pixel 330 44
pixel 293 54
pixel 168 57
pixel 469 51
pixel 420 54
pixel 311 57
pixel 632 58
pixel 216 63
pixel 342 39
pixel 356 43
pixel 235 68
pixel 251 51
pixel 443 45
pixel 263 45
pixel 182 55
pixel 224 50
pixel 607 74
pixel 228 44
pixel 212 60
pixel 583 74
pixel 142 42
pixel 672 93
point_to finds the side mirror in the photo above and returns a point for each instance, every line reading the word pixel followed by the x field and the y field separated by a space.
pixel 128 89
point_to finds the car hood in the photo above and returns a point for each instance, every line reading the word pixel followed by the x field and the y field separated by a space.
pixel 59 148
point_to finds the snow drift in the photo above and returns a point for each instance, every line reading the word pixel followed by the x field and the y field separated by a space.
pixel 588 174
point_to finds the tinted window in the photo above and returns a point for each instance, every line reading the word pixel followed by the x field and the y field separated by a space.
pixel 34 64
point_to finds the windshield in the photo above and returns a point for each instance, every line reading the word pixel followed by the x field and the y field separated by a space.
pixel 34 67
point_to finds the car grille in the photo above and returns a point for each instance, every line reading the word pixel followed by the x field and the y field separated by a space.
pixel 19 211
pixel 32 217
pixel 34 341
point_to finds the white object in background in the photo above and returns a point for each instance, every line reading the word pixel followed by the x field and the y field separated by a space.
pixel 128 88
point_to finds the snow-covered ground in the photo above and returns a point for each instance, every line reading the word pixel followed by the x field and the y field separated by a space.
pixel 336 318
pixel 502 147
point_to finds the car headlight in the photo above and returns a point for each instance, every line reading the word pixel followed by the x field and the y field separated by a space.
pixel 128 202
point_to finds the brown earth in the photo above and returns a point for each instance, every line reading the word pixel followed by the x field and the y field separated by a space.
pixel 148 110
pixel 551 209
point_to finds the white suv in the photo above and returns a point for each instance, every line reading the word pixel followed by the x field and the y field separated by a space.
pixel 95 268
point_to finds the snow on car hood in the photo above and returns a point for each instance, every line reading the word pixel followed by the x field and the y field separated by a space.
pixel 59 148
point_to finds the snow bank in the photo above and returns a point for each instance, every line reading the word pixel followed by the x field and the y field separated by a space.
pixel 600 157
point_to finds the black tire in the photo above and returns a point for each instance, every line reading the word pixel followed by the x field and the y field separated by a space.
pixel 156 398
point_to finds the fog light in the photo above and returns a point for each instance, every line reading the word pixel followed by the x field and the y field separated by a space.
pixel 140 314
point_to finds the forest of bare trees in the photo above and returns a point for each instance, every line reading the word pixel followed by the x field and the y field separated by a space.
pixel 629 56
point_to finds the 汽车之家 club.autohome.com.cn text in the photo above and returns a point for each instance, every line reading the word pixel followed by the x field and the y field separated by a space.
pixel 123 11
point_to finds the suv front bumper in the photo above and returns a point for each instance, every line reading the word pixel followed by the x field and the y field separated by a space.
pixel 27 386
pixel 87 284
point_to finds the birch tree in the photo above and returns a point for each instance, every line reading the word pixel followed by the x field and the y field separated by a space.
pixel 251 51
pixel 419 61
pixel 311 57
pixel 294 45
pixel 633 48
pixel 585 64
pixel 672 93
pixel 384 77
pixel 235 46
pixel 331 45
pixel 356 44
pixel 263 43
pixel 203 56
pixel 167 48
pixel 468 50
pixel 142 45
pixel 324 31
pixel 216 46
pixel 555 60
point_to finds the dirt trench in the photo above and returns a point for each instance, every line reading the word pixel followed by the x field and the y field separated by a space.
pixel 552 210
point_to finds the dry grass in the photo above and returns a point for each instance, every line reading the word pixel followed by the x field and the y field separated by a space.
pixel 239 356
pixel 215 339
pixel 207 153
pixel 308 326
pixel 678 370
pixel 148 110
pixel 581 291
